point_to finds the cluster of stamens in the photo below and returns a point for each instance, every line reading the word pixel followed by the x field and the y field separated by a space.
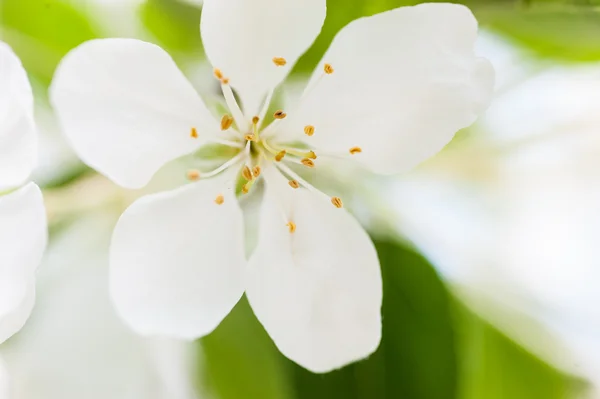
pixel 254 149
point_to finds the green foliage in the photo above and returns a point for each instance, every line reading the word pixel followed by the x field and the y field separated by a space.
pixel 174 24
pixel 432 348
pixel 557 31
pixel 493 367
pixel 241 361
pixel 41 32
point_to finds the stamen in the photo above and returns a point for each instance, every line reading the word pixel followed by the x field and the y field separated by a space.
pixel 328 69
pixel 255 120
pixel 265 108
pixel 311 155
pixel 294 184
pixel 309 130
pixel 355 150
pixel 337 202
pixel 279 61
pixel 226 122
pixel 193 175
pixel 256 171
pixel 280 156
pixel 235 144
pixel 220 199
pixel 226 165
pixel 289 172
pixel 291 226
pixel 279 114
pixel 247 173
pixel 308 162
pixel 245 189
pixel 233 106
pixel 218 74
pixel 250 137
pixel 194 133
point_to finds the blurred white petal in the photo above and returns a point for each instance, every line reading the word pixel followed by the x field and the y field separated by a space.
pixel 18 143
pixel 23 236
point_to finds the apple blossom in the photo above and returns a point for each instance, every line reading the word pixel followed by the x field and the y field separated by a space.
pixel 391 91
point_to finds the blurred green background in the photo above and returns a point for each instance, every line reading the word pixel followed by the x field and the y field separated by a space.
pixel 434 346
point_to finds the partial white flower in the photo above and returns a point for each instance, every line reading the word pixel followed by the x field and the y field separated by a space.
pixel 75 346
pixel 391 91
pixel 23 232
pixel 512 217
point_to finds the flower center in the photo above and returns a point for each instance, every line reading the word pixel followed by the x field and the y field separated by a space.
pixel 253 150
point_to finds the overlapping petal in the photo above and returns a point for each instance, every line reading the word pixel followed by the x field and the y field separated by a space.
pixel 17 130
pixel 127 109
pixel 404 82
pixel 23 238
pixel 177 260
pixel 317 291
pixel 241 37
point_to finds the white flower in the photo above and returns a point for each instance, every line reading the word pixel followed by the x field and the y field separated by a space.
pixel 391 91
pixel 23 230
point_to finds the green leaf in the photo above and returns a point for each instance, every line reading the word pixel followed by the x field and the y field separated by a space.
pixel 416 359
pixel 557 31
pixel 175 25
pixel 433 347
pixel 41 32
pixel 241 361
pixel 494 367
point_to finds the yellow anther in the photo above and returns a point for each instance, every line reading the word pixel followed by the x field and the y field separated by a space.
pixel 218 74
pixel 291 227
pixel 193 174
pixel 220 199
pixel 247 173
pixel 337 202
pixel 245 189
pixel 226 122
pixel 255 120
pixel 308 162
pixel 311 155
pixel 250 137
pixel 328 69
pixel 309 130
pixel 225 81
pixel 256 171
pixel 279 114
pixel 194 133
pixel 279 61
pixel 294 184
pixel 280 155
pixel 355 150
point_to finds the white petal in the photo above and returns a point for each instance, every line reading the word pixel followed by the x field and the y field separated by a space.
pixel 127 109
pixel 17 130
pixel 177 260
pixel 404 82
pixel 16 303
pixel 241 38
pixel 23 237
pixel 317 291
